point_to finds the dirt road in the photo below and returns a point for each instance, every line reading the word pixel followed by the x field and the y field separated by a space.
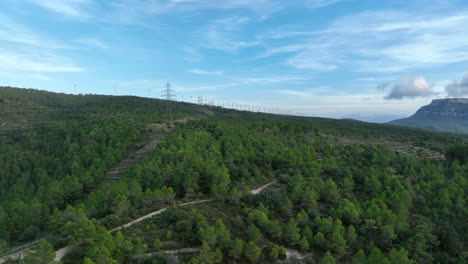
pixel 63 251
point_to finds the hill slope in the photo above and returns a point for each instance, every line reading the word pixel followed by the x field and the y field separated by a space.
pixel 441 115
pixel 342 190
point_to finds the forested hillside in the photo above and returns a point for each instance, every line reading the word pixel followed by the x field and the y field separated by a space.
pixel 339 191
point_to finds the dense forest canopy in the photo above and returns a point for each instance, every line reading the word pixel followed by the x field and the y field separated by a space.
pixel 340 191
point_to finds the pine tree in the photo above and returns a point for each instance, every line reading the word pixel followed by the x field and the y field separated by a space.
pixel 157 244
pixel 251 252
pixel 43 254
pixel 328 259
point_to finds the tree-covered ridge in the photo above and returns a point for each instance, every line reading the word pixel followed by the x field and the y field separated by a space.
pixel 55 149
pixel 331 198
pixel 330 202
pixel 25 108
pixel 357 203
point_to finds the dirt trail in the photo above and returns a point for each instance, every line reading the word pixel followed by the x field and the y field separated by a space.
pixel 291 253
pixel 18 252
pixel 156 136
pixel 136 221
pixel 171 252
pixel 63 251
pixel 60 253
pixel 117 172
pixel 259 189
pixel 127 163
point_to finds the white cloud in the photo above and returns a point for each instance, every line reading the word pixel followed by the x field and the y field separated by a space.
pixel 458 88
pixel 40 77
pixel 135 11
pixel 294 93
pixel 221 35
pixel 34 63
pixel 203 72
pixel 303 61
pixel 321 3
pixel 25 50
pixel 69 8
pixel 19 34
pixel 379 41
pixel 409 87
pixel 284 49
pixel 93 42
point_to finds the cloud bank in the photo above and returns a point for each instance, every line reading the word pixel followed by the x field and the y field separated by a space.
pixel 409 87
pixel 458 88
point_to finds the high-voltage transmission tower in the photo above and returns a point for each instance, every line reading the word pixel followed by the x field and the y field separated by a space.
pixel 169 95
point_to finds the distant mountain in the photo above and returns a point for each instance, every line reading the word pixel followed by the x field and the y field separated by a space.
pixel 373 118
pixel 441 115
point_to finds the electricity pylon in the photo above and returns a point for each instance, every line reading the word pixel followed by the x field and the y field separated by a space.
pixel 168 94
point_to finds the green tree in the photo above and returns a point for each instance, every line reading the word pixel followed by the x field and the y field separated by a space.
pixel 376 256
pixel 138 247
pixel 208 256
pixel 252 253
pixel 274 229
pixel 254 233
pixel 87 260
pixel 319 240
pixel 282 252
pixel 43 254
pixel 82 230
pixel 328 259
pixel 302 218
pixel 387 235
pixel 351 236
pixel 347 184
pixel 220 182
pixel 274 253
pixel 120 204
pixel 223 235
pixel 157 244
pixel 330 191
pixel 236 248
pixel 399 256
pixel 99 254
pixel 360 257
pixel 304 243
pixel 307 232
pixel 208 236
pixel 292 231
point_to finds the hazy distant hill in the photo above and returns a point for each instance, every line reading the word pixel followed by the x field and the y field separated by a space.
pixel 442 115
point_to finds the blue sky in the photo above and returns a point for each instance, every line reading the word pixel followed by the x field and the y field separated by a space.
pixel 375 60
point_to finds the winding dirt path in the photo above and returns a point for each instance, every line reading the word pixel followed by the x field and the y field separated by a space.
pixel 18 252
pixel 136 221
pixel 171 252
pixel 59 254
